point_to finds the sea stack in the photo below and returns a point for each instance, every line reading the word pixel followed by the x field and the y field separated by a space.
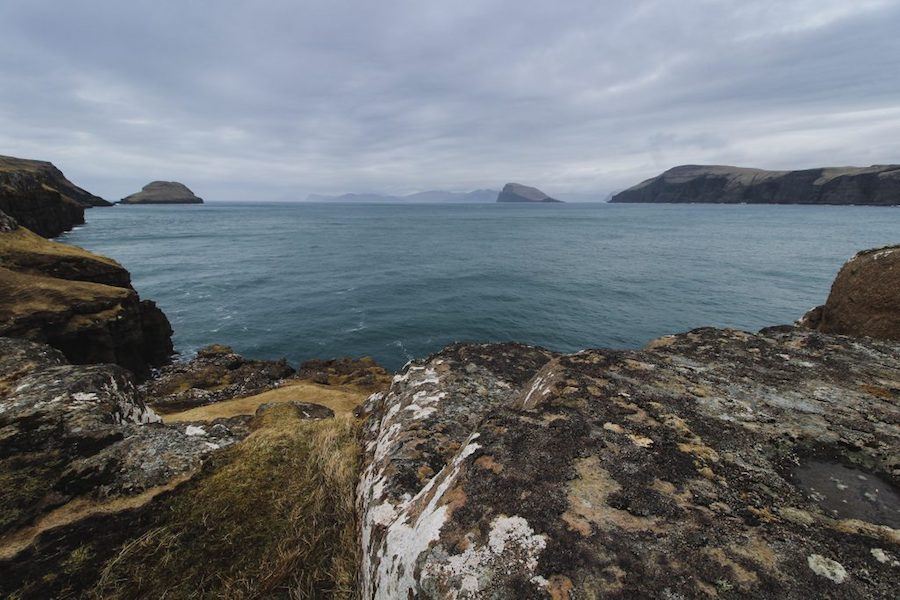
pixel 516 192
pixel 163 192
pixel 878 185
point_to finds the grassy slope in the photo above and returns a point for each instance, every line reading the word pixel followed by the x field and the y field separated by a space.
pixel 271 517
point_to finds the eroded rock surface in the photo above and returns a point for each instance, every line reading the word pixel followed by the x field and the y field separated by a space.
pixel 864 299
pixel 691 469
pixel 217 373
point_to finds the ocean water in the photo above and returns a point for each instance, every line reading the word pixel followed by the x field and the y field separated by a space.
pixel 401 281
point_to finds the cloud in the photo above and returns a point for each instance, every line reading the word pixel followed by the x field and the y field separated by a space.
pixel 276 99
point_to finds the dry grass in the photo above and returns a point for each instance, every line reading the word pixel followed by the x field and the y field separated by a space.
pixel 341 400
pixel 271 517
pixel 24 243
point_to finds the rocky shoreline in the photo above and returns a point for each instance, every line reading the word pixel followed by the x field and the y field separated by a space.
pixel 711 464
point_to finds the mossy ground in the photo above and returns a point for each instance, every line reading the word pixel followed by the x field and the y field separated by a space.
pixel 271 517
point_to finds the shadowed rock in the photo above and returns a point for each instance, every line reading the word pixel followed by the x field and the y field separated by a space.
pixel 875 185
pixel 40 197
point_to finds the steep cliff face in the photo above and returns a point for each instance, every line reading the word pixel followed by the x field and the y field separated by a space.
pixel 163 192
pixel 78 302
pixel 875 185
pixel 715 462
pixel 864 299
pixel 40 197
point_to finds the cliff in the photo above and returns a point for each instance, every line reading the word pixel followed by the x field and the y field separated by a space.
pixel 39 196
pixel 78 302
pixel 876 185
pixel 516 192
pixel 163 192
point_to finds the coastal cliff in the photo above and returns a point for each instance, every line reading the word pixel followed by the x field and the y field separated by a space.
pixel 77 302
pixel 163 192
pixel 516 192
pixel 876 185
pixel 712 463
pixel 39 197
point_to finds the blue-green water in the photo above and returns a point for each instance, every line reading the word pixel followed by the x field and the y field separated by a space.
pixel 400 281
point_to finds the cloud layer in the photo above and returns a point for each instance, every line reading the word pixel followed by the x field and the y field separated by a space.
pixel 273 100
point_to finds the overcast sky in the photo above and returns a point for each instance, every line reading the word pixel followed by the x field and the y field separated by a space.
pixel 272 100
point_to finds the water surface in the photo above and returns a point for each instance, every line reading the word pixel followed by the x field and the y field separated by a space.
pixel 401 281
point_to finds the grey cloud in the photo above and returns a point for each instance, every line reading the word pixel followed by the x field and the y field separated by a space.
pixel 273 100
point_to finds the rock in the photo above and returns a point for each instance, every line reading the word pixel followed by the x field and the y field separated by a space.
pixel 362 372
pixel 714 462
pixel 39 197
pixel 70 431
pixel 875 185
pixel 516 192
pixel 864 299
pixel 214 375
pixel 163 192
pixel 303 410
pixel 78 302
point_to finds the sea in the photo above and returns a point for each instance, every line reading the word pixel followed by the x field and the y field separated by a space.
pixel 400 281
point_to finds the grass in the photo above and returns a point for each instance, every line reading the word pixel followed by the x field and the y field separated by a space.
pixel 270 517
pixel 341 400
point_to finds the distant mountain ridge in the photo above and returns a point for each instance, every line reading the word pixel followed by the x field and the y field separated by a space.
pixel 427 197
pixel 877 185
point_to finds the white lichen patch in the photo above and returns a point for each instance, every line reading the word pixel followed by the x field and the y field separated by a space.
pixel 825 567
pixel 194 430
pixel 512 547
pixel 84 396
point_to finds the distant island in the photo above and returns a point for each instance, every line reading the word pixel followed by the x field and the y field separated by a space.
pixel 163 192
pixel 516 192
pixel 428 197
pixel 877 185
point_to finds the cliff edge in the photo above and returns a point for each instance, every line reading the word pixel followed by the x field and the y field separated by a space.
pixel 877 185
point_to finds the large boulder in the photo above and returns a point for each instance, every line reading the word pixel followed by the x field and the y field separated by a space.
pixel 715 463
pixel 864 298
pixel 78 302
pixel 875 185
pixel 163 192
pixel 40 197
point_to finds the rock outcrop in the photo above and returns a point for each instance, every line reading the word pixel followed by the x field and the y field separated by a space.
pixel 39 196
pixel 216 374
pixel 715 463
pixel 163 192
pixel 864 299
pixel 875 185
pixel 363 372
pixel 78 302
pixel 516 192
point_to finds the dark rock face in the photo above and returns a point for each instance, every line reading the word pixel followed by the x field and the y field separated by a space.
pixel 217 373
pixel 163 192
pixel 78 302
pixel 875 185
pixel 40 197
pixel 864 299
pixel 516 192
pixel 712 463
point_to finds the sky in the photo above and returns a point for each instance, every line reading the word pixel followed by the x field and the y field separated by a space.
pixel 273 100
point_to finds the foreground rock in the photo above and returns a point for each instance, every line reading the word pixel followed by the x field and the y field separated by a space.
pixel 713 463
pixel 516 192
pixel 39 196
pixel 875 185
pixel 78 302
pixel 864 299
pixel 163 192
pixel 99 499
pixel 216 374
